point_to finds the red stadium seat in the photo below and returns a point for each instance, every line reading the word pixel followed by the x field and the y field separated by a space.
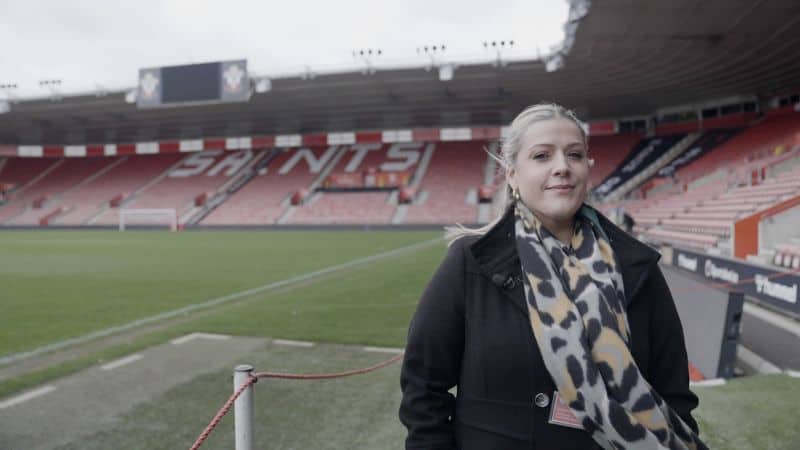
pixel 345 208
pixel 61 176
pixel 608 152
pixel 179 187
pixel 762 137
pixel 455 169
pixel 113 187
pixel 266 196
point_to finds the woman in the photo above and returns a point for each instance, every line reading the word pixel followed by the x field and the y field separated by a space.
pixel 556 327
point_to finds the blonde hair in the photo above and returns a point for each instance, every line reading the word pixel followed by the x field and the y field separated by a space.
pixel 509 150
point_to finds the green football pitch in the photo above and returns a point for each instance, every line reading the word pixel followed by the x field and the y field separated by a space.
pixel 63 285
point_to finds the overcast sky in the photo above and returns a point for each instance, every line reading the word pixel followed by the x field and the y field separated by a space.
pixel 86 43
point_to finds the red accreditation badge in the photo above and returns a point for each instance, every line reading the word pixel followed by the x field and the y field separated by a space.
pixel 560 414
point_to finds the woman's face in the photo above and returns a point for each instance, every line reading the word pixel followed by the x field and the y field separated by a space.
pixel 552 169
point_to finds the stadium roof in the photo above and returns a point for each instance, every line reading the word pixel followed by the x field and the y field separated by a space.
pixel 629 58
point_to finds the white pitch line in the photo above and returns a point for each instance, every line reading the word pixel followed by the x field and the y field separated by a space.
pixel 22 398
pixel 292 343
pixel 755 361
pixel 184 339
pixel 383 350
pixel 121 362
pixel 193 336
pixel 213 302
pixel 213 336
pixel 707 383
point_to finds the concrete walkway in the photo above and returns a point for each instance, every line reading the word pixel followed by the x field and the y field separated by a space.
pixel 62 411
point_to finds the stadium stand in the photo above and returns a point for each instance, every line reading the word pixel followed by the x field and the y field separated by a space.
pixel 707 142
pixel 608 152
pixel 753 142
pixel 265 198
pixel 646 152
pixel 743 171
pixel 364 157
pixel 704 216
pixel 16 173
pixel 327 208
pixel 197 174
pixel 350 173
pixel 62 175
pixel 448 192
pixel 665 179
pixel 119 182
pixel 725 175
pixel 787 255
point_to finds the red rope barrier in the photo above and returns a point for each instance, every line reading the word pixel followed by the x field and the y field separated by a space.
pixel 290 376
pixel 324 376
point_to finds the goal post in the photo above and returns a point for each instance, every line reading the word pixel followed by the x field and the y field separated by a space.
pixel 167 217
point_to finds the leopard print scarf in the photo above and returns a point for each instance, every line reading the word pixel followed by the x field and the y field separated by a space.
pixel 576 309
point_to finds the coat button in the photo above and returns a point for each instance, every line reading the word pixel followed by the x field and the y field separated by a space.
pixel 541 400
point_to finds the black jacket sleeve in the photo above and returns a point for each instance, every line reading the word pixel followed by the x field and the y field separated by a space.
pixel 432 361
pixel 669 364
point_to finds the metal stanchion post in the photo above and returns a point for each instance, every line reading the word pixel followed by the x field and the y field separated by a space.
pixel 243 409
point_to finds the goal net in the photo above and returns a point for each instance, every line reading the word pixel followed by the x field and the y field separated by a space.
pixel 166 217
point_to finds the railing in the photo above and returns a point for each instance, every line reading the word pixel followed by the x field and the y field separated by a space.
pixel 242 399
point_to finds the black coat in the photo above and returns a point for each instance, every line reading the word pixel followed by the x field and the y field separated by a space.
pixel 471 330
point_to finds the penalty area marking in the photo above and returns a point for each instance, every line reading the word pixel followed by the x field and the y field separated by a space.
pixel 292 343
pixel 193 336
pixel 216 301
pixel 30 395
pixel 121 362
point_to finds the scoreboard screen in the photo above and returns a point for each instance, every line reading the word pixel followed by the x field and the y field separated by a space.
pixel 192 84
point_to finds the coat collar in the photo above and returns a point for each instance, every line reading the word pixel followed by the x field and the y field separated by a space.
pixel 496 255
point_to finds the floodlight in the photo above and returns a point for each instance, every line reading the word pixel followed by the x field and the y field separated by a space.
pixel 446 72
pixel 263 85
pixel 130 96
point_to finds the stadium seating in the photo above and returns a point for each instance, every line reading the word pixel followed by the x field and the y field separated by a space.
pixel 709 212
pixel 18 172
pixel 787 255
pixel 196 174
pixel 27 207
pixel 358 158
pixel 456 170
pixel 608 152
pixel 264 198
pixel 642 157
pixel 345 208
pixel 759 139
pixel 354 206
pixel 124 178
pixel 731 181
pixel 684 238
pixel 754 169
